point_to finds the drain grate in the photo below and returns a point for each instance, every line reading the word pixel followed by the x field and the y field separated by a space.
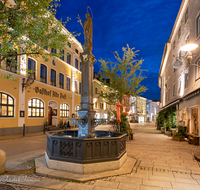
pixel 6 187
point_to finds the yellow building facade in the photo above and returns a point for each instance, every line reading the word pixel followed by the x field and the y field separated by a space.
pixel 53 97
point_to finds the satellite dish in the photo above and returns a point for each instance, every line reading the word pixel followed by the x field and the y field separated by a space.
pixel 177 63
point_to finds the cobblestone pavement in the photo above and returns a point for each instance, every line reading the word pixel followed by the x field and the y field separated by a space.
pixel 162 164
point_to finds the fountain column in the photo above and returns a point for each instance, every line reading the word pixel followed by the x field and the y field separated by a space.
pixel 86 113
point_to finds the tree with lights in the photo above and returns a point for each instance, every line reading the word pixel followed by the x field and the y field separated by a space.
pixel 27 27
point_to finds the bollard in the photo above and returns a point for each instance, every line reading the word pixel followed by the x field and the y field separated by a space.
pixel 23 129
pixel 2 162
pixel 44 129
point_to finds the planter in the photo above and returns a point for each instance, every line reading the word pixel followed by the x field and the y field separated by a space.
pixel 178 138
pixel 169 133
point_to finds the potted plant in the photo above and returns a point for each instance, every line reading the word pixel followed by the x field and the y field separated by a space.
pixel 178 136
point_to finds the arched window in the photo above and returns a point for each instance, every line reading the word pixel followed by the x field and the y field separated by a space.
pixel 64 110
pixel 6 105
pixel 77 108
pixel 31 66
pixel 35 108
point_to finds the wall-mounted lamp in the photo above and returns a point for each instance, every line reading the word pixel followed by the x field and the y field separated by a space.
pixel 188 48
pixel 29 81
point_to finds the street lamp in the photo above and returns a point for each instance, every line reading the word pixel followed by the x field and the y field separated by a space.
pixel 29 81
pixel 188 48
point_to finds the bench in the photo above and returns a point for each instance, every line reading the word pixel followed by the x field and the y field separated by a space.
pixel 192 138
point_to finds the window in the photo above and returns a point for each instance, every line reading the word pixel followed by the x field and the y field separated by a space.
pixel 174 88
pixel 76 63
pixel 35 108
pixel 186 15
pixel 101 106
pixel 174 43
pixel 11 63
pixel 80 66
pixel 76 51
pixel 197 69
pixel 53 50
pixel 77 108
pixel 69 59
pixel 62 57
pixel 54 62
pixel 64 110
pixel 179 85
pixel 198 25
pixel 179 32
pixel 101 91
pixel 80 88
pixel 96 91
pixel 76 86
pixel 6 105
pixel 186 79
pixel 43 73
pixel 61 80
pixel 53 77
pixel 95 104
pixel 31 66
pixel 68 83
pixel 69 44
pixel 187 38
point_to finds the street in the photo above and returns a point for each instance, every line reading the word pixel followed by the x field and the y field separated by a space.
pixel 162 164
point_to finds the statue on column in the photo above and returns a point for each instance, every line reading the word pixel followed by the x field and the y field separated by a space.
pixel 88 32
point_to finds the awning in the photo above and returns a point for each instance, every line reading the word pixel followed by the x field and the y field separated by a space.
pixel 171 104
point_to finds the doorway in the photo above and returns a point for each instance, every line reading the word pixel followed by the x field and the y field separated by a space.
pixel 53 105
pixel 49 116
pixel 194 121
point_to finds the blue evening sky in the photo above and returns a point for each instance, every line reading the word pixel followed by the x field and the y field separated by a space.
pixel 143 24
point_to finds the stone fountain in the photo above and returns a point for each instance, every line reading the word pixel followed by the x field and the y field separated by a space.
pixel 86 150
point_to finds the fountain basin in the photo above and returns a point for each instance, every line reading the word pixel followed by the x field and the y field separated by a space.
pixel 85 155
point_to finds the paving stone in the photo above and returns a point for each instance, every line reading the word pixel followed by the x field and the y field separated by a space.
pixel 182 180
pixel 128 186
pixel 129 180
pixel 185 186
pixel 142 187
pixel 180 175
pixel 156 183
pixel 161 178
pixel 77 186
pixel 103 188
pixel 138 175
pixel 195 176
pixel 108 184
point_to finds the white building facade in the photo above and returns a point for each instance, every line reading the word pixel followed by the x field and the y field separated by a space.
pixel 179 76
pixel 153 108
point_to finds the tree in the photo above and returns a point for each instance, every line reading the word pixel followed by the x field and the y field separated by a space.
pixel 123 77
pixel 28 27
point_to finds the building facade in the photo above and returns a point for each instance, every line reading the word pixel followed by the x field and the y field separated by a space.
pixel 153 107
pixel 179 71
pixel 53 97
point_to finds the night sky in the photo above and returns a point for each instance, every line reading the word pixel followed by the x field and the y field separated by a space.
pixel 143 24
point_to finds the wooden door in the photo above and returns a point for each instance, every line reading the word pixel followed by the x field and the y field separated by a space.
pixel 49 116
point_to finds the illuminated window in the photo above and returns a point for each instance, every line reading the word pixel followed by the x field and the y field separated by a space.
pixel 77 108
pixel 35 108
pixel 6 105
pixel 64 110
